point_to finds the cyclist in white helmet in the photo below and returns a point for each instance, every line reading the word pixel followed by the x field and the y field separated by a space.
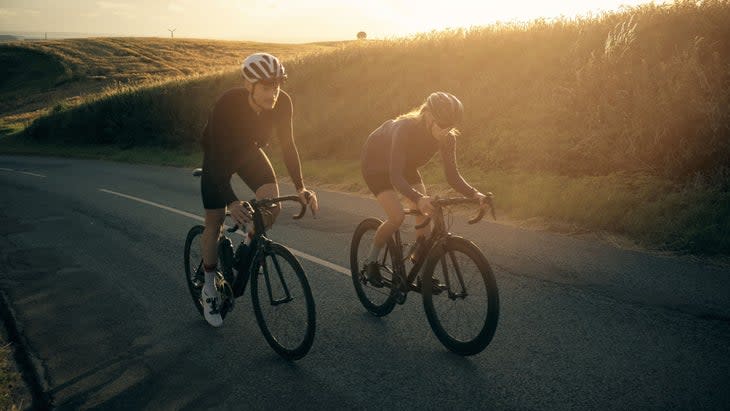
pixel 240 125
pixel 391 158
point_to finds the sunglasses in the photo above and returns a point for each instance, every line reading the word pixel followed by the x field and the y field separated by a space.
pixel 276 82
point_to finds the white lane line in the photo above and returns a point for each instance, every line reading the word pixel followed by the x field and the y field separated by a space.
pixel 22 172
pixel 331 266
pixel 164 207
pixel 32 174
pixel 316 260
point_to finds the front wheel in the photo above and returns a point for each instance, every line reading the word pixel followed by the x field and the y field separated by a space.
pixel 283 303
pixel 463 307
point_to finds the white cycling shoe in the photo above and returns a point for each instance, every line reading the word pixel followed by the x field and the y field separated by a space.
pixel 211 307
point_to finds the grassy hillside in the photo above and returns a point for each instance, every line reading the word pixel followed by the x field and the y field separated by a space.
pixel 617 123
pixel 37 76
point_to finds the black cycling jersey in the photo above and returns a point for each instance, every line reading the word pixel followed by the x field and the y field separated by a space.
pixel 399 147
pixel 234 130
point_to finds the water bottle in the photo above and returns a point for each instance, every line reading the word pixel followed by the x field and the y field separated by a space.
pixel 243 251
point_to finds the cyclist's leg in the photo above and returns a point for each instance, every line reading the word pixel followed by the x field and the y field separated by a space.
pixel 416 182
pixel 209 240
pixel 380 186
pixel 259 176
pixel 390 202
pixel 215 214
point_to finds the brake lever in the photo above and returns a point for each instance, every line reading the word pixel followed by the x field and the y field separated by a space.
pixel 302 211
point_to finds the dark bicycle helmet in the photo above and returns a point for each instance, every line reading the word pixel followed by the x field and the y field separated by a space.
pixel 262 66
pixel 447 110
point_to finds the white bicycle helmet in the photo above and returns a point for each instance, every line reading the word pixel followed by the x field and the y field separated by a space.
pixel 262 66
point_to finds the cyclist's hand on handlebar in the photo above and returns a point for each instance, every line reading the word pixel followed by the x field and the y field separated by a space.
pixel 309 197
pixel 241 212
pixel 425 206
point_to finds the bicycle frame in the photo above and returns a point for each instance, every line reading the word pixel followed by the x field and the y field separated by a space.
pixel 260 245
pixel 438 237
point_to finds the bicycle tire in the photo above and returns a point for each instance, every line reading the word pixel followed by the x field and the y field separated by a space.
pixel 195 276
pixel 386 296
pixel 278 254
pixel 442 256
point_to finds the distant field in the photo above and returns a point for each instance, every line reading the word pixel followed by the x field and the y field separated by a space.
pixel 36 76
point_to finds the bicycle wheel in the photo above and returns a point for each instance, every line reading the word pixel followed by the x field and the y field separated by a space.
pixel 193 260
pixel 378 301
pixel 195 275
pixel 463 309
pixel 283 303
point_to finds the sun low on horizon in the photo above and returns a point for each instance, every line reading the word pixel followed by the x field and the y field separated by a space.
pixel 281 21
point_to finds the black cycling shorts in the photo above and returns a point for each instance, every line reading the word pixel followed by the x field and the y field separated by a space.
pixel 377 183
pixel 255 171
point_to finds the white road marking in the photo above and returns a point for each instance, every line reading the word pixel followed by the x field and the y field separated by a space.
pixel 164 207
pixel 32 174
pixel 316 260
pixel 22 172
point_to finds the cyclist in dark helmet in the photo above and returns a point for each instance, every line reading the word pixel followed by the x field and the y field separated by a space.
pixel 391 158
pixel 239 126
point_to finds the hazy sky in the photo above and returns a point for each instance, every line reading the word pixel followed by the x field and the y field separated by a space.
pixel 283 20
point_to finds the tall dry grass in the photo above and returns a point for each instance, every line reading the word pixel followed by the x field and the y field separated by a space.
pixel 644 90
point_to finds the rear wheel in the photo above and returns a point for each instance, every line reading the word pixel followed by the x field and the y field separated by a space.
pixel 195 274
pixel 193 260
pixel 463 308
pixel 379 301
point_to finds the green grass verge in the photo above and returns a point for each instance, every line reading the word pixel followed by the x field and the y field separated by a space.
pixel 12 144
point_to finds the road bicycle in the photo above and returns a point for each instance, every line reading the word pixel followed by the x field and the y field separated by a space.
pixel 280 292
pixel 457 284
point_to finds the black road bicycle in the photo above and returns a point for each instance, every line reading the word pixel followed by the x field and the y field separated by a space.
pixel 280 293
pixel 459 290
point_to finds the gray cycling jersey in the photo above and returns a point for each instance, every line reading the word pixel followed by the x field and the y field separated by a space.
pixel 400 146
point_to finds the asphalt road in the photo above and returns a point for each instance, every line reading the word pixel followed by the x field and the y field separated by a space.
pixel 91 265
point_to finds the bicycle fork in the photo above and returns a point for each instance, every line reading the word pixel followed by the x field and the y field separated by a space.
pixel 452 295
pixel 267 278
